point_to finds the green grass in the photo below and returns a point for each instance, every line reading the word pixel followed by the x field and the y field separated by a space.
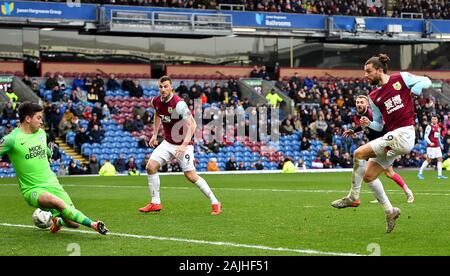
pixel 271 210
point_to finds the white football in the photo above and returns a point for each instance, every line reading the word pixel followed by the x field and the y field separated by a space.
pixel 42 219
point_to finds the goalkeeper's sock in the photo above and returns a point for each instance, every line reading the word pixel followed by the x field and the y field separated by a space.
pixel 60 222
pixel 73 214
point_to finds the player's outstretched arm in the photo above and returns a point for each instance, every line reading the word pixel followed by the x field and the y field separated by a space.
pixel 416 83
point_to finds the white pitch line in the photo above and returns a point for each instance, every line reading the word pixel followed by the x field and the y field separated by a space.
pixel 228 244
pixel 434 193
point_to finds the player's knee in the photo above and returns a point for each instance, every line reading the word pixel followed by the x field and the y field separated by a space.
pixel 151 169
pixel 358 154
pixel 191 176
pixel 369 178
pixel 388 174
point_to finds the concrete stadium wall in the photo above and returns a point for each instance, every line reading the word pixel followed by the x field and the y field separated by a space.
pixel 350 73
pixel 93 67
pixel 11 66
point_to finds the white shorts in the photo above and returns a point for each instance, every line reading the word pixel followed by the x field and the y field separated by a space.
pixel 434 153
pixel 392 144
pixel 165 152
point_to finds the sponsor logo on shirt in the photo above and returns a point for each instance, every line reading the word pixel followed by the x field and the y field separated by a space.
pixel 36 152
pixel 393 104
pixel 170 109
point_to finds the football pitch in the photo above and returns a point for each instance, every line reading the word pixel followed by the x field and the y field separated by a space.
pixel 263 215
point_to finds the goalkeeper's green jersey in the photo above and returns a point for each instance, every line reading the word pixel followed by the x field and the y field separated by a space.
pixel 29 156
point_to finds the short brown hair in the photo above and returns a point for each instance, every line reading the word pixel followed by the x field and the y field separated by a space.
pixel 363 97
pixel 379 61
pixel 28 109
pixel 165 78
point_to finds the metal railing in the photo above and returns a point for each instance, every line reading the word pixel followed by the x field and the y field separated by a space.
pixel 232 7
pixel 411 15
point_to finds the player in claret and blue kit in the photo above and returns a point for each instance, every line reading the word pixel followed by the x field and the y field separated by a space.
pixel 179 127
pixel 393 108
pixel 434 147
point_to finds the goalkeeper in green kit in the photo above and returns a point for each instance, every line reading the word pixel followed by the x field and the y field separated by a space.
pixel 27 149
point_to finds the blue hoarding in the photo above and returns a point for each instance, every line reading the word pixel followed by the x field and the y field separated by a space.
pixel 277 20
pixel 68 10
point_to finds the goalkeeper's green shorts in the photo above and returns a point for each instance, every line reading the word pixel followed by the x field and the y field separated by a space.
pixel 32 196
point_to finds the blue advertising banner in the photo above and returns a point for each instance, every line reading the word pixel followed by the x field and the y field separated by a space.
pixel 88 12
pixel 68 10
pixel 346 23
pixel 380 24
pixel 245 19
pixel 440 26
pixel 277 20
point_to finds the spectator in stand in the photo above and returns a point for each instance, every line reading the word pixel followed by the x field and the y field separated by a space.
pixel 94 166
pixel 138 124
pixel 131 167
pixel 81 137
pixel 97 111
pixel 74 169
pixel 308 83
pixel 138 110
pixel 78 82
pixel 120 164
pixel 231 164
pixel 61 82
pixel 128 125
pixel 9 112
pixel 287 128
pixel 194 93
pixel 127 84
pixel 26 80
pixel 241 166
pixel 301 165
pixel 56 154
pixel 94 120
pixel 263 74
pixel 99 80
pixel 92 95
pixel 52 84
pixel 112 84
pixel 212 165
pixel 347 161
pixel 136 90
pixel 34 85
pixel 258 165
pixel 96 135
pixel 296 80
pixel 255 72
pixel 182 90
pixel 62 171
pixel 336 159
